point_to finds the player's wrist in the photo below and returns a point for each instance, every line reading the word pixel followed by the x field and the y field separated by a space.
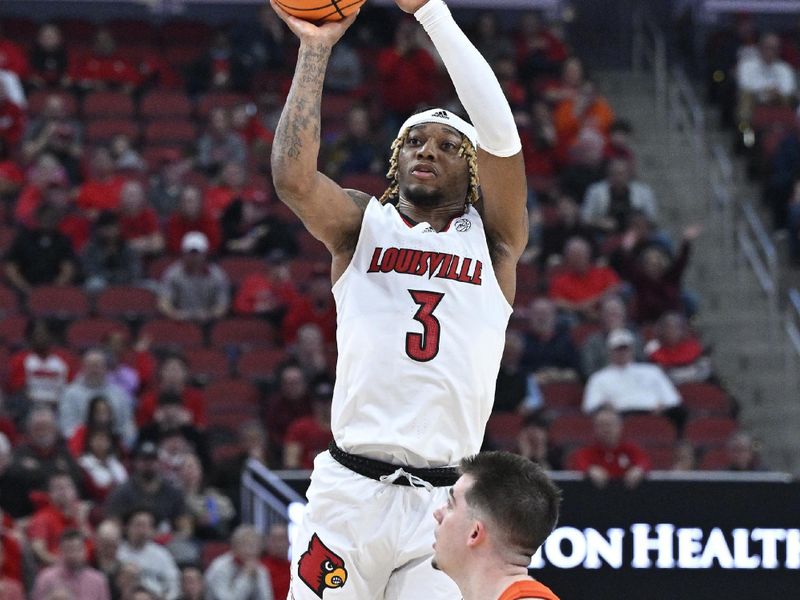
pixel 432 11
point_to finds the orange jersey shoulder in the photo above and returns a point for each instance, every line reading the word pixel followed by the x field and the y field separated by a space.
pixel 527 589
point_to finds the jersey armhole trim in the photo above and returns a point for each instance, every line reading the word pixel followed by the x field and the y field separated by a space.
pixel 350 266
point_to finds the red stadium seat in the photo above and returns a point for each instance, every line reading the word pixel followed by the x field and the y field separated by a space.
pixel 107 105
pixel 303 270
pixel 37 99
pixel 101 131
pixel 133 31
pixel 173 335
pixel 207 363
pixel 218 99
pixel 571 430
pixel 7 235
pixel 709 431
pixel 77 29
pixel 661 458
pixel 261 364
pixel 222 393
pixel 649 430
pixel 238 268
pixel 242 333
pixel 715 459
pixel 502 430
pixel 86 333
pixel 170 131
pixel 527 277
pixel 311 247
pixel 162 104
pixel 9 302
pixel 562 395
pixel 156 269
pixel 185 31
pixel 182 55
pixel 366 182
pixel 61 302
pixel 705 399
pixel 12 330
pixel 126 302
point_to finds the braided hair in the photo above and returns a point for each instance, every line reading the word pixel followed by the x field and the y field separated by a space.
pixel 467 150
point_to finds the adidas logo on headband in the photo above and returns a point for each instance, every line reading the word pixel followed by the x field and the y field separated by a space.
pixel 440 114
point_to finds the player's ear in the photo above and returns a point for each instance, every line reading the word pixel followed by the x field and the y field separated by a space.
pixel 477 533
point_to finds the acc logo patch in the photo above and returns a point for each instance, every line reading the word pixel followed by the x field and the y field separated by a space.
pixel 320 568
pixel 463 225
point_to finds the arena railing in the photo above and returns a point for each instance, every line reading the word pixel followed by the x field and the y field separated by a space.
pixel 649 52
pixel 791 326
pixel 265 498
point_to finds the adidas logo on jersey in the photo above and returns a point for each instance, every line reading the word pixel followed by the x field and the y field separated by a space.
pixel 441 114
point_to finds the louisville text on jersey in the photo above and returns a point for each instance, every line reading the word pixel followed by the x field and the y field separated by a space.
pixel 424 262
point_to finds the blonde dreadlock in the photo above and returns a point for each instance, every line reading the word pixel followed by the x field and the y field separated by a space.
pixel 467 150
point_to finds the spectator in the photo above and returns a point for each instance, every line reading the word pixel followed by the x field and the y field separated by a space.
pixel 549 351
pixel 99 415
pixel 173 377
pixel 581 287
pixel 763 78
pixel 609 458
pixel 6 482
pixel 308 436
pixel 146 488
pixel 345 72
pixel 158 572
pixel 248 123
pixel 555 233
pixel 41 254
pixel 125 156
pixel 516 389
pixel 100 464
pixel 742 451
pixel 291 402
pixel 104 68
pixel 275 559
pixel 130 365
pixel 12 118
pixel 249 228
pixel 505 69
pixel 629 386
pixel 267 295
pixel 259 44
pixel 173 431
pixel 193 587
pixel 39 373
pixel 613 315
pixel 193 288
pixel 656 276
pixel 211 510
pixel 72 573
pixel 238 574
pixel 314 306
pixel 539 49
pixel 61 511
pixel 93 381
pixel 190 217
pixel 53 132
pixel 231 185
pixel 572 115
pixel 684 457
pixel 11 175
pixel 310 354
pixel 608 204
pixel 585 166
pixel 678 351
pixel 107 540
pixel 220 144
pixel 220 68
pixel 12 589
pixel 538 136
pixel 138 222
pixel 619 142
pixel 49 59
pixel 357 150
pixel 108 259
pixel 36 460
pixel 102 190
pixel 167 185
pixel 489 40
pixel 533 443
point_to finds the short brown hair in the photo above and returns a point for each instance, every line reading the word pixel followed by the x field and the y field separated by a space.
pixel 516 495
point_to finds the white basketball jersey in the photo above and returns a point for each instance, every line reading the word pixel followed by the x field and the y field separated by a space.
pixel 421 329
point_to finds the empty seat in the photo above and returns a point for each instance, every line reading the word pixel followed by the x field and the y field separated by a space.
pixel 167 334
pixel 12 330
pixel 100 131
pixel 705 399
pixel 181 55
pixel 502 430
pixel 715 459
pixel 661 458
pixel 9 302
pixel 133 31
pixel 710 431
pixel 186 31
pixel 58 301
pixel 237 268
pixel 562 395
pixel 649 430
pixel 261 364
pixel 162 104
pixel 221 394
pixel 156 269
pixel 310 247
pixel 217 100
pixel 126 302
pixel 169 131
pixel 242 333
pixel 207 363
pixel 571 430
pixel 108 104
pixel 85 333
pixel 527 277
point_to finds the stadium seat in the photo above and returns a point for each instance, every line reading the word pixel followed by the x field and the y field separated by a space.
pixel 222 393
pixel 58 301
pixel 133 31
pixel 77 29
pixel 527 277
pixel 7 235
pixel 571 430
pixel 709 431
pixel 218 99
pixel 302 270
pixel 261 364
pixel 311 247
pixel 101 131
pixel 649 430
pixel 370 183
pixel 582 331
pixel 222 453
pixel 661 458
pixel 167 334
pixel 162 104
pixel 126 302
pixel 336 106
pixel 156 269
pixel 37 99
pixel 715 459
pixel 12 330
pixel 242 333
pixel 502 430
pixel 85 333
pixel 19 29
pixel 186 31
pixel 562 395
pixel 182 55
pixel 108 105
pixel 207 363
pixel 9 302
pixel 237 268
pixel 705 399
pixel 170 131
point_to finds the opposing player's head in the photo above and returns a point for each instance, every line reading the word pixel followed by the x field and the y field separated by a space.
pixel 501 509
pixel 434 160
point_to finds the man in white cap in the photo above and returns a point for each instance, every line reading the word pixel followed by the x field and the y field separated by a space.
pixel 192 288
pixel 629 386
pixel 424 279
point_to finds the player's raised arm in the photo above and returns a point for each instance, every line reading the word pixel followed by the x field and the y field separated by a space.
pixel 326 209
pixel 500 165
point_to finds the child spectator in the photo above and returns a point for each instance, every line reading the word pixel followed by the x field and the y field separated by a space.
pixel 678 351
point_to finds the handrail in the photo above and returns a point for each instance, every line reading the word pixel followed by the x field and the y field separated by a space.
pixel 650 50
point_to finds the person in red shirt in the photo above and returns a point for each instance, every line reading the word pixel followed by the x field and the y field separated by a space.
pixel 173 376
pixel 12 57
pixel 315 306
pixel 678 351
pixel 582 286
pixel 290 402
pixel 610 458
pixel 539 49
pixel 190 217
pixel 138 222
pixel 103 68
pixel 275 559
pixel 231 185
pixel 102 190
pixel 308 436
pixel 10 587
pixel 498 513
pixel 12 119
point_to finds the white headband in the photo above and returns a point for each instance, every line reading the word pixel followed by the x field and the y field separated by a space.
pixel 445 117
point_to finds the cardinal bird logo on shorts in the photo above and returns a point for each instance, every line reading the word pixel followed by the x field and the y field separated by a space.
pixel 320 568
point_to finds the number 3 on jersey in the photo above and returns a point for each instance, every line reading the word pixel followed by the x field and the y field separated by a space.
pixel 424 346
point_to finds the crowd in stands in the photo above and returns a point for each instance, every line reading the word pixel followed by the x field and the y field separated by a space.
pixel 164 319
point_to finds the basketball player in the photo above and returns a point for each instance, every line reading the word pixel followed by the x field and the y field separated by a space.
pixel 497 514
pixel 423 281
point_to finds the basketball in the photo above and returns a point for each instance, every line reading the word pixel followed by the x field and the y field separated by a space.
pixel 320 10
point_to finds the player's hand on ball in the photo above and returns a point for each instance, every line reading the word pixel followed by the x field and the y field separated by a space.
pixel 411 6
pixel 327 33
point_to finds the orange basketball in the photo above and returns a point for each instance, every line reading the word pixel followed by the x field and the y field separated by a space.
pixel 320 10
